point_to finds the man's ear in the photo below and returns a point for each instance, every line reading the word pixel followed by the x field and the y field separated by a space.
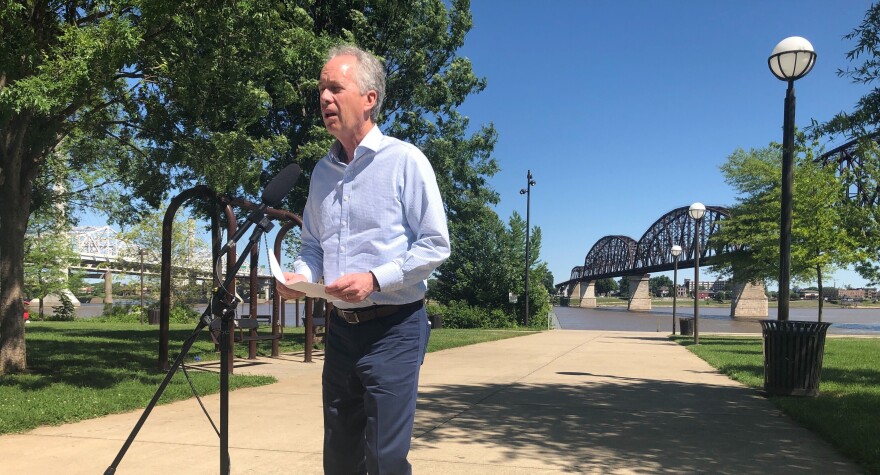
pixel 371 98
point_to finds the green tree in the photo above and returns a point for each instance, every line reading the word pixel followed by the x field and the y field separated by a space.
pixel 862 122
pixel 479 272
pixel 489 263
pixel 141 98
pixel 189 254
pixel 606 286
pixel 865 118
pixel 819 242
pixel 48 255
pixel 623 285
pixel 655 284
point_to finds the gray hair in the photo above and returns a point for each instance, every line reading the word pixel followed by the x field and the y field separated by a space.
pixel 369 75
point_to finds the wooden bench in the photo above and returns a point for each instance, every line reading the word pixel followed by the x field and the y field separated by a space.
pixel 239 325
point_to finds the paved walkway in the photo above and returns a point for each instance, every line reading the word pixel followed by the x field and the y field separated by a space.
pixel 555 402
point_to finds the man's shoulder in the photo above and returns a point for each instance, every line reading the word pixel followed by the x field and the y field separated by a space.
pixel 400 149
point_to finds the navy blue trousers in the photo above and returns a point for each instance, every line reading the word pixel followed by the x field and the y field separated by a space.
pixel 370 384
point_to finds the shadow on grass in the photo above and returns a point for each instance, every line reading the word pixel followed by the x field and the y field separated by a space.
pixel 99 358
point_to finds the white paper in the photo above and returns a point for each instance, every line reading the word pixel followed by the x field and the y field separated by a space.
pixel 308 288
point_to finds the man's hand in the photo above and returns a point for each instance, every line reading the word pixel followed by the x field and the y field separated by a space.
pixel 353 288
pixel 290 294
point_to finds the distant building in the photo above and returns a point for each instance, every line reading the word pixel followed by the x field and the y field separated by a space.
pixel 869 293
pixel 708 288
pixel 851 294
pixel 809 294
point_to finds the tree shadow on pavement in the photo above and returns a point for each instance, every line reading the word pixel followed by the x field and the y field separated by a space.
pixel 602 423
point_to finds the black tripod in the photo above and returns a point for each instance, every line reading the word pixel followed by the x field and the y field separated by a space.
pixel 222 306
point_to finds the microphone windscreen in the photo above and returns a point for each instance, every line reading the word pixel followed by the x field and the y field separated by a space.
pixel 281 185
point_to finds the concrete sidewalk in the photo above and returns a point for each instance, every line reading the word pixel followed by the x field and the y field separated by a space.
pixel 555 402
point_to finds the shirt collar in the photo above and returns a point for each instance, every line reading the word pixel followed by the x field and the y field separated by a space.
pixel 370 142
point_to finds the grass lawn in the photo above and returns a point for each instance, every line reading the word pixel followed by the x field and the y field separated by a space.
pixel 847 411
pixel 81 370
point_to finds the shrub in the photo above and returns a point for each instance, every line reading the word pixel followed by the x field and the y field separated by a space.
pixel 183 313
pixel 458 314
pixel 121 314
pixel 65 312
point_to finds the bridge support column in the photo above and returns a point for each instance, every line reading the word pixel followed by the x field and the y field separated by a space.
pixel 108 287
pixel 588 294
pixel 574 292
pixel 639 292
pixel 749 301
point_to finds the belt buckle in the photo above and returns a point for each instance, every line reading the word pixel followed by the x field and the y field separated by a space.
pixel 350 317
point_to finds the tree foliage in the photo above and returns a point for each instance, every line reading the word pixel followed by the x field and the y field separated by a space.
pixel 144 98
pixel 863 123
pixel 606 286
pixel 865 118
pixel 820 241
pixel 187 250
pixel 48 255
pixel 489 263
pixel 656 284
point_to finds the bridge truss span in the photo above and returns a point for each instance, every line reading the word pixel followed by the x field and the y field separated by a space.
pixel 654 252
pixel 617 255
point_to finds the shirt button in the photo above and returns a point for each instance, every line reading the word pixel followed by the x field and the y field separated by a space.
pixel 342 248
pixel 345 198
pixel 343 223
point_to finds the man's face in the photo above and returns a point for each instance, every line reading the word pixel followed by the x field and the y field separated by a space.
pixel 343 107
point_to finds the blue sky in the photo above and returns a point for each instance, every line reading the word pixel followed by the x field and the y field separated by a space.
pixel 624 110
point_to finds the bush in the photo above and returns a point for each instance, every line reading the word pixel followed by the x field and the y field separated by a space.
pixel 458 314
pixel 65 312
pixel 121 314
pixel 183 313
pixel 180 313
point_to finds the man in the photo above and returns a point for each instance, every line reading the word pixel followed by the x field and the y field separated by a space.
pixel 374 228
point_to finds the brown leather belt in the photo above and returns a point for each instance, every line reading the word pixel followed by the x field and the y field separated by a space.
pixel 366 314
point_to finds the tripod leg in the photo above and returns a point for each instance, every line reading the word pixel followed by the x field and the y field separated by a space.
pixel 224 397
pixel 137 427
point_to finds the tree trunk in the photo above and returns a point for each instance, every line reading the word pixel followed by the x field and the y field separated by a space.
pixel 23 143
pixel 13 223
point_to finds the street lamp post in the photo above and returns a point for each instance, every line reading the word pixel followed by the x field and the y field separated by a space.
pixel 791 60
pixel 676 251
pixel 141 253
pixel 696 212
pixel 528 192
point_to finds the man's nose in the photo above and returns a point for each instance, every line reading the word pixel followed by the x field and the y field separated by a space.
pixel 325 97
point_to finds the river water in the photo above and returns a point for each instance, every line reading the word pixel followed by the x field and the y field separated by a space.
pixel 851 321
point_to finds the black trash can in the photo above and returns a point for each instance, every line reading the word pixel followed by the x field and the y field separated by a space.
pixel 793 352
pixel 436 321
pixel 686 325
pixel 153 316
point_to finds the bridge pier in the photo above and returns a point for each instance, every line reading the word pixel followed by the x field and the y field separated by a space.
pixel 588 294
pixel 108 287
pixel 574 291
pixel 749 301
pixel 639 292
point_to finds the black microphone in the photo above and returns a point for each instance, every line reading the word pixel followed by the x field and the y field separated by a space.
pixel 281 185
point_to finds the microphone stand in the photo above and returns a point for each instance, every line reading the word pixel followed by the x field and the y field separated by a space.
pixel 222 306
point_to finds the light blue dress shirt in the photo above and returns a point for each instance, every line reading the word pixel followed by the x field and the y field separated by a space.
pixel 382 213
